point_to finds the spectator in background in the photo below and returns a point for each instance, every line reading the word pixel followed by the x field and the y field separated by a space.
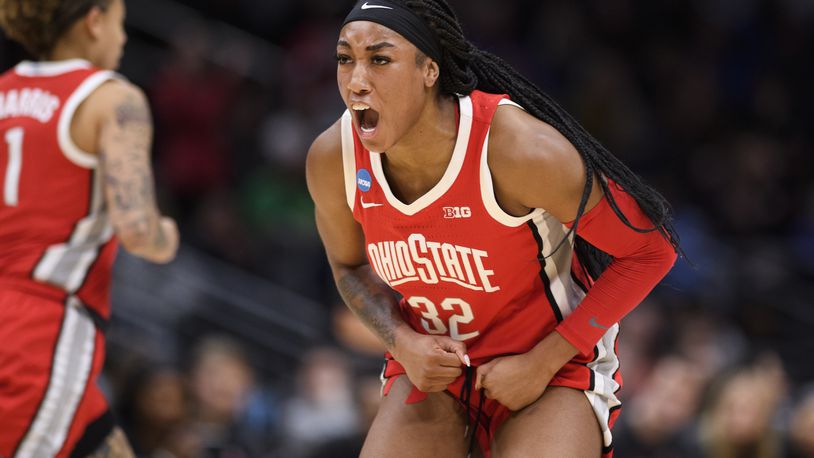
pixel 323 407
pixel 659 420
pixel 738 421
pixel 801 427
pixel 154 408
pixel 230 414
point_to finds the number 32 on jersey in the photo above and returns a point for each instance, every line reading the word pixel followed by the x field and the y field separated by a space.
pixel 433 323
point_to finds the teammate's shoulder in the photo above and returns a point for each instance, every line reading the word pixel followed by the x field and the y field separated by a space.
pixel 114 97
pixel 116 90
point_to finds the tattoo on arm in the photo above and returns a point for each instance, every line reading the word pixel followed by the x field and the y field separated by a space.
pixel 132 111
pixel 373 303
pixel 127 174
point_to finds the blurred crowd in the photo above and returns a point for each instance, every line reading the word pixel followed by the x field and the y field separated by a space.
pixel 710 101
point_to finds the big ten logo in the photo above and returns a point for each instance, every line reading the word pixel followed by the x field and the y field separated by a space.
pixel 457 212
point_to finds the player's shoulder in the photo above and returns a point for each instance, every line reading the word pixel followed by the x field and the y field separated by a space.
pixel 326 149
pixel 115 98
pixel 519 140
pixel 117 91
pixel 324 165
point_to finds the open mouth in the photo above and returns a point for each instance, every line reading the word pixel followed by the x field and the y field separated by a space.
pixel 366 118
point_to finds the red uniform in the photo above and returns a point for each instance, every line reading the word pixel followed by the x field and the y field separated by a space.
pixel 467 269
pixel 56 253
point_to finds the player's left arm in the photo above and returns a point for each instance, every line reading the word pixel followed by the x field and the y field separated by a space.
pixel 534 166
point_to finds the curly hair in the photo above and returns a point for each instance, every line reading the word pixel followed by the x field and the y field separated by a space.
pixel 38 24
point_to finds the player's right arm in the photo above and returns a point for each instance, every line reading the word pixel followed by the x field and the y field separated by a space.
pixel 430 361
pixel 124 139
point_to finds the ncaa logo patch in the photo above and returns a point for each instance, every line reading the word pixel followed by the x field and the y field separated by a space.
pixel 363 180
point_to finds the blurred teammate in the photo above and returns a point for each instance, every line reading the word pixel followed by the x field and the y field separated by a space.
pixel 74 177
pixel 436 185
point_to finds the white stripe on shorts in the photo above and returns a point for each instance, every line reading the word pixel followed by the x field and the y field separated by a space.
pixel 73 358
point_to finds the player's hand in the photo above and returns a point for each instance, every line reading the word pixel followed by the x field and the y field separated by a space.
pixel 431 362
pixel 519 380
pixel 167 240
pixel 514 381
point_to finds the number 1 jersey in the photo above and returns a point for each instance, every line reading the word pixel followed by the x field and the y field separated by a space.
pixel 55 237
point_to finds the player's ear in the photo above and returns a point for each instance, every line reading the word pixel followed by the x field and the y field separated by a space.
pixel 93 22
pixel 431 72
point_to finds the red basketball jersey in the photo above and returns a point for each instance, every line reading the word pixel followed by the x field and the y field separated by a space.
pixel 55 236
pixel 467 269
pixel 464 267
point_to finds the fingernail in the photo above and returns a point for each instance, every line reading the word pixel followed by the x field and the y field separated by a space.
pixel 466 360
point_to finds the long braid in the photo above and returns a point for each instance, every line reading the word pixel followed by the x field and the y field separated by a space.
pixel 465 68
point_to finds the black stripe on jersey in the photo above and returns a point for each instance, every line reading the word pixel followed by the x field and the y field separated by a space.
pixel 546 282
pixel 94 436
pixel 618 364
pixel 98 321
pixel 609 448
pixel 578 282
pixel 592 383
pixel 47 385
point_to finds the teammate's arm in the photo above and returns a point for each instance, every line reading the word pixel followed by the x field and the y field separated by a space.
pixel 125 133
pixel 430 361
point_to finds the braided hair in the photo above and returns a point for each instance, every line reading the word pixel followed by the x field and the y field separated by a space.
pixel 465 68
pixel 38 24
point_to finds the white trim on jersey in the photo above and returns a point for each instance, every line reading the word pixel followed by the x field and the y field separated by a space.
pixel 510 102
pixel 453 169
pixel 487 187
pixel 71 367
pixel 603 397
pixel 37 69
pixel 66 143
pixel 564 289
pixel 348 158
pixel 66 264
pixel 487 190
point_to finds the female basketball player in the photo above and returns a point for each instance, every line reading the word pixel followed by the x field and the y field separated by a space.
pixel 74 177
pixel 493 217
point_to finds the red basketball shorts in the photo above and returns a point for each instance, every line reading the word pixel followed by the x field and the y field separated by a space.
pixel 492 413
pixel 51 354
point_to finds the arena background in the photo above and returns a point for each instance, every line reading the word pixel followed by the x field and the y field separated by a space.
pixel 241 347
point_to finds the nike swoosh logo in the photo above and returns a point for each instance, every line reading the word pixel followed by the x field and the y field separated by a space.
pixel 366 6
pixel 369 205
pixel 593 323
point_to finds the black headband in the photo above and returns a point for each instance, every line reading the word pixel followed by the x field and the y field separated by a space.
pixel 401 20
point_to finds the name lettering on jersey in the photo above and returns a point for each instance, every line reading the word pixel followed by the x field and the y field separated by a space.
pixel 32 103
pixel 417 259
pixel 457 212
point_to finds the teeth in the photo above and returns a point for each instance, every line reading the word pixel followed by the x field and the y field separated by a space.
pixel 360 106
pixel 367 130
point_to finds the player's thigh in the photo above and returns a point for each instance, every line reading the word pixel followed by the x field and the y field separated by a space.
pixel 433 427
pixel 114 446
pixel 561 424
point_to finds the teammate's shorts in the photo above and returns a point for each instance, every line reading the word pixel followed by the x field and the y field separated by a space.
pixel 51 354
pixel 486 415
